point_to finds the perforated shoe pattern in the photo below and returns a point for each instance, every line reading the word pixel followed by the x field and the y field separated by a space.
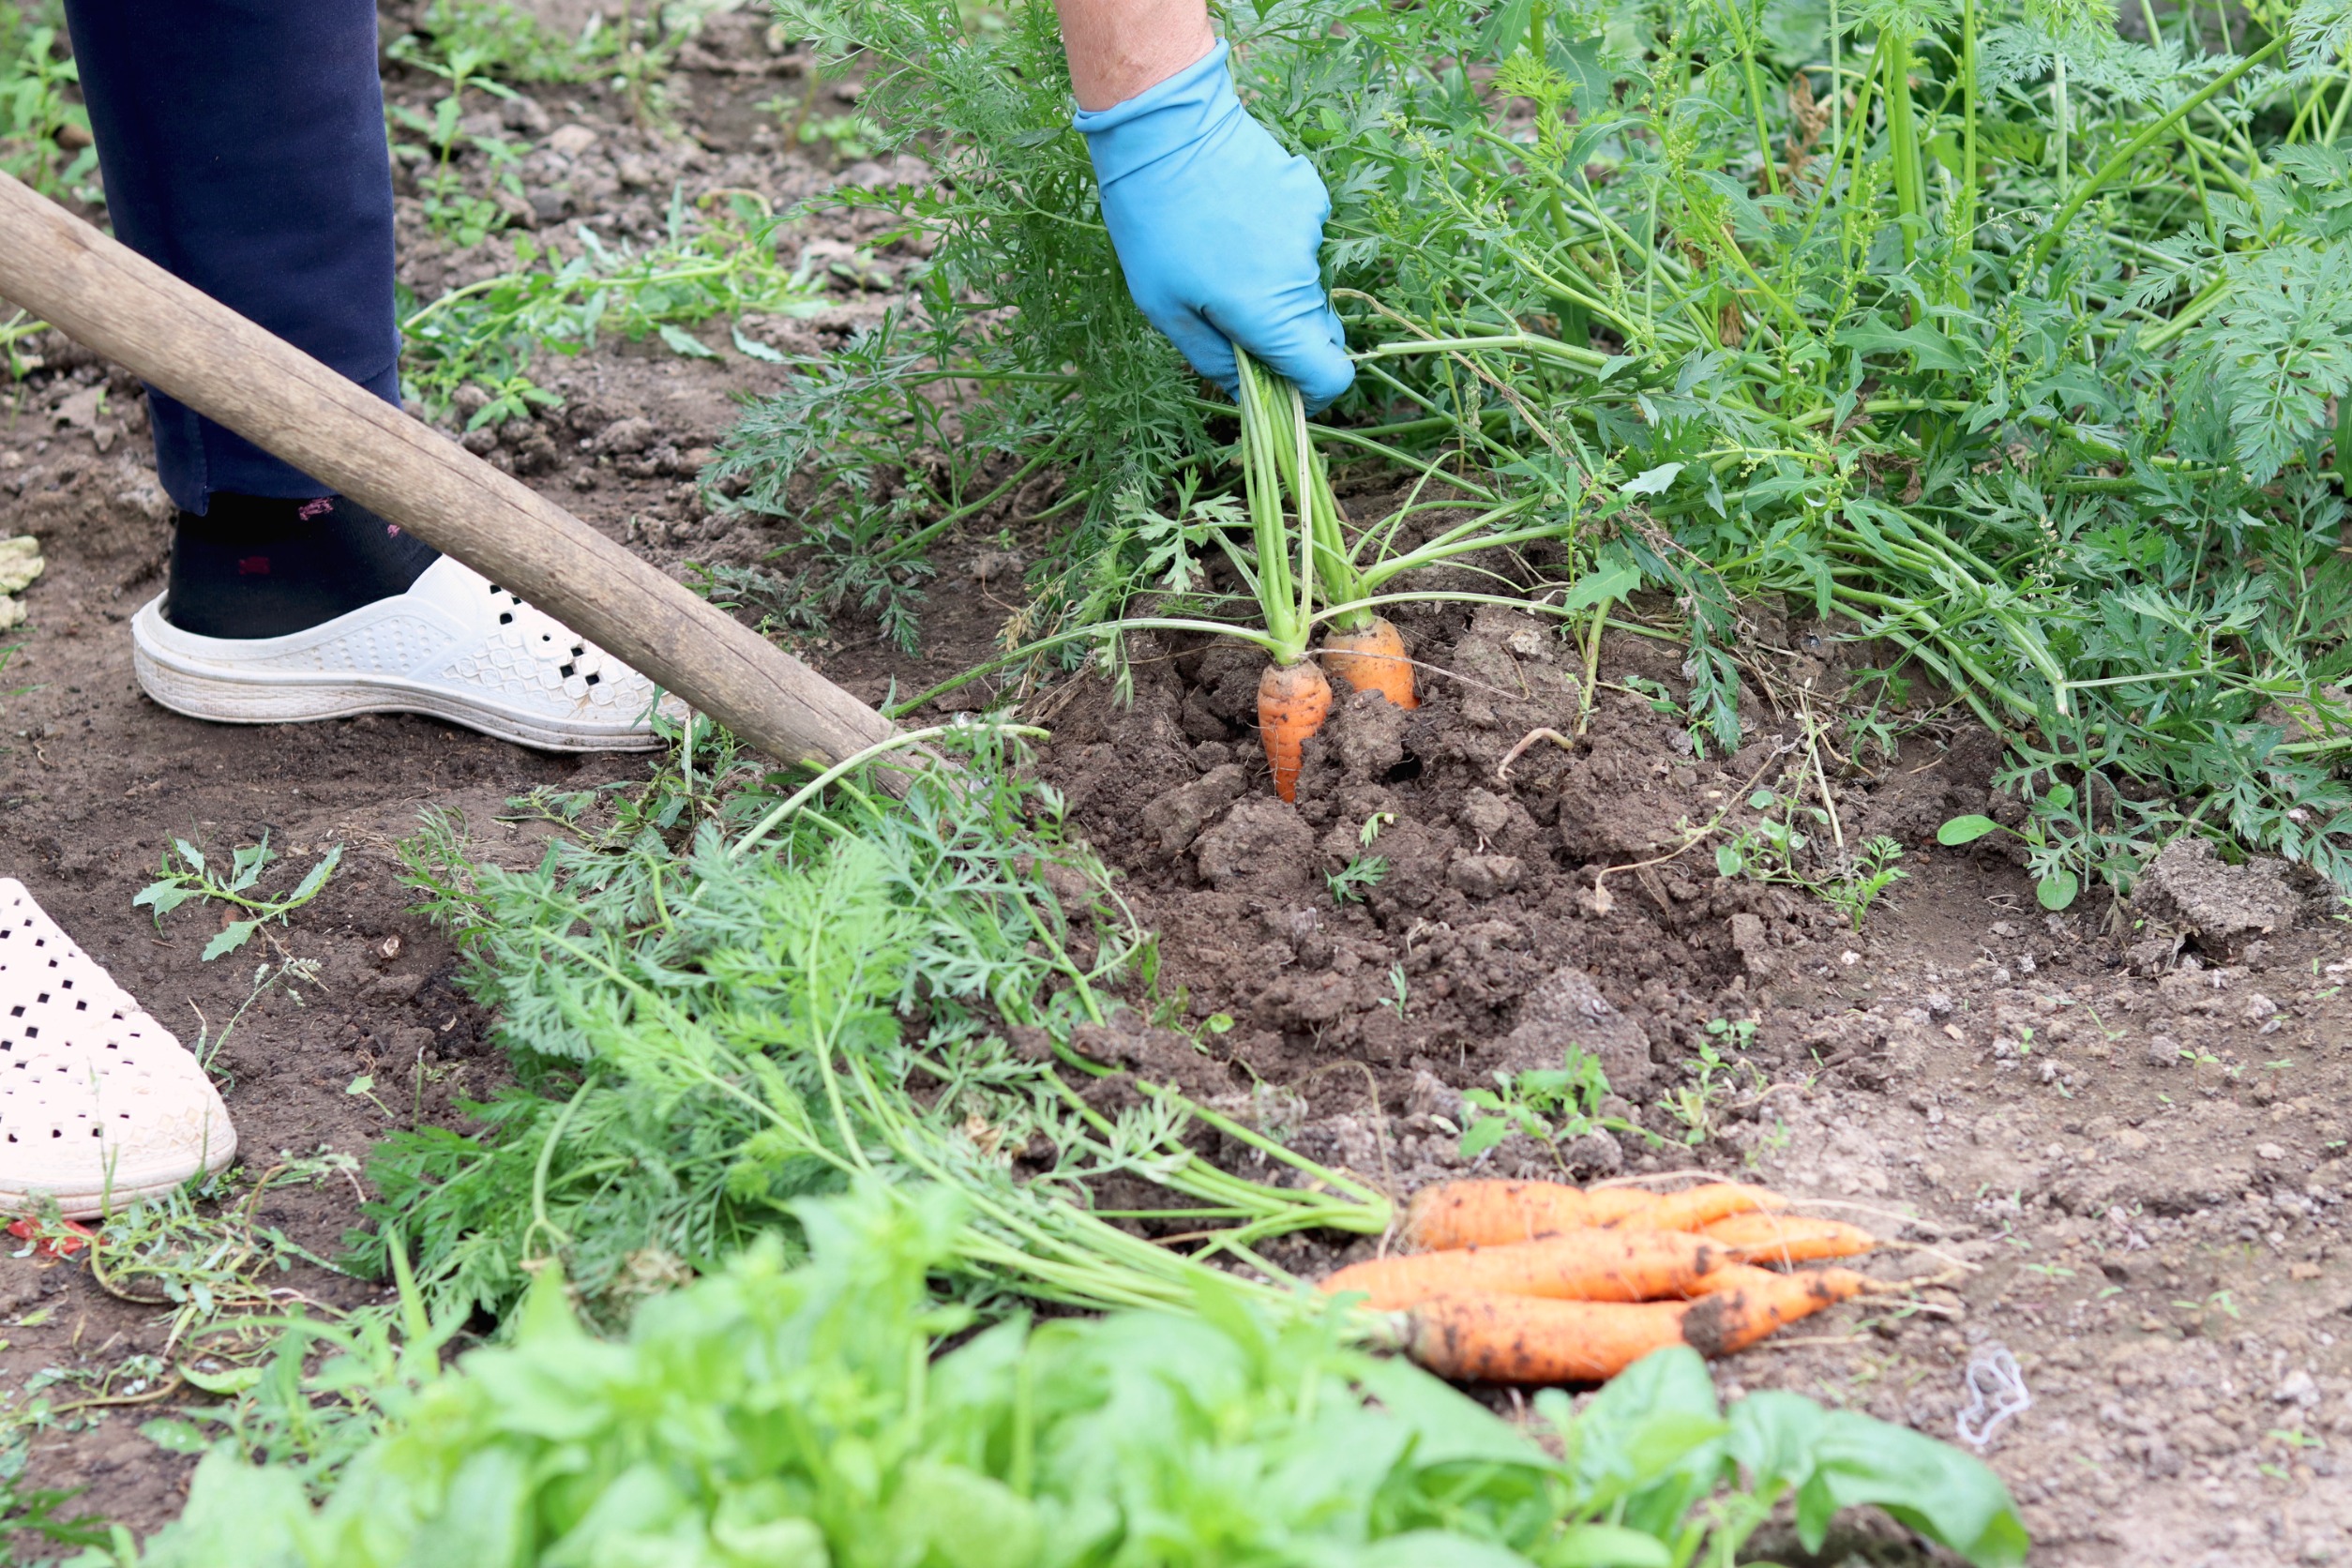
pixel 99 1104
pixel 455 646
pixel 531 658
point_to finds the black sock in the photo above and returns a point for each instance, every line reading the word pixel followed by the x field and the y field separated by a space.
pixel 254 567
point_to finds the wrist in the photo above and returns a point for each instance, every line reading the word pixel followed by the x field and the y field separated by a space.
pixel 1119 49
pixel 1171 114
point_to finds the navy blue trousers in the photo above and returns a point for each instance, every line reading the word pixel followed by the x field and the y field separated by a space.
pixel 243 149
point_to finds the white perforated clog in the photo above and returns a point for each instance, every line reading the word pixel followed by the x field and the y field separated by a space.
pixel 454 646
pixel 99 1104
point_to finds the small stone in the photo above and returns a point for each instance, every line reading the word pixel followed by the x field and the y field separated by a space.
pixel 1595 1153
pixel 570 141
pixel 1483 876
pixel 2257 1008
pixel 19 562
pixel 1483 813
pixel 633 172
pixel 633 434
pixel 523 114
pixel 2268 1152
pixel 2298 1388
pixel 1938 1004
pixel 997 566
pixel 2163 1051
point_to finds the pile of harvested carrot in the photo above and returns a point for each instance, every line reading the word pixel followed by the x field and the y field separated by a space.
pixel 1535 1282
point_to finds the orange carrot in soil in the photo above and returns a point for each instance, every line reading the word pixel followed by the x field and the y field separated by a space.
pixel 1750 1302
pixel 1694 1208
pixel 1372 659
pixel 1761 1238
pixel 1292 701
pixel 1528 1339
pixel 1489 1212
pixel 1578 1265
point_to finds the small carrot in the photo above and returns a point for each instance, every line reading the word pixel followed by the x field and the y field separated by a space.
pixel 1489 1212
pixel 1788 1238
pixel 1576 1265
pixel 1528 1339
pixel 1292 703
pixel 1372 659
pixel 1694 1208
pixel 1754 1302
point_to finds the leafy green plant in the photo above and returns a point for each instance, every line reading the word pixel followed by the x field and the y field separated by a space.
pixel 2065 848
pixel 502 42
pixel 1550 1105
pixel 717 262
pixel 1697 1104
pixel 1348 883
pixel 797 995
pixel 1774 848
pixel 185 874
pixel 44 133
pixel 811 1415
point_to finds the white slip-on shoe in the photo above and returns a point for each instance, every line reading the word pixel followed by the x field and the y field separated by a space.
pixel 453 646
pixel 99 1104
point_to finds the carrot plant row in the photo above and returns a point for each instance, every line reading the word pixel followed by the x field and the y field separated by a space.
pixel 1988 335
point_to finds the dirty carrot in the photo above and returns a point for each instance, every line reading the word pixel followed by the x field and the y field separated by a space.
pixel 1578 1265
pixel 1489 1212
pixel 1696 1207
pixel 1293 696
pixel 1529 1339
pixel 1752 1303
pixel 1292 701
pixel 1788 1238
pixel 1372 658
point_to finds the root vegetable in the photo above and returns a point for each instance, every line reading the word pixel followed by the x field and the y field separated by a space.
pixel 1694 1208
pixel 1489 1212
pixel 1746 1303
pixel 1528 1339
pixel 1532 1339
pixel 1579 1265
pixel 1788 1238
pixel 1292 703
pixel 1372 659
pixel 1483 1213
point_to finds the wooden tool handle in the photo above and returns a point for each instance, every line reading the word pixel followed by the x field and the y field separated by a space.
pixel 104 294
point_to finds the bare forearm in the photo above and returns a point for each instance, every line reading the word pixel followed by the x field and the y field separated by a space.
pixel 1118 48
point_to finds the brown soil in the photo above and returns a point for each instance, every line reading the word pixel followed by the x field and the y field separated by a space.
pixel 2129 1123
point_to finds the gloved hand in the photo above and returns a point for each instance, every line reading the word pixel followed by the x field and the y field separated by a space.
pixel 1217 228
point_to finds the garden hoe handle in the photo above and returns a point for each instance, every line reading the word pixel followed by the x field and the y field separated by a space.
pixel 106 295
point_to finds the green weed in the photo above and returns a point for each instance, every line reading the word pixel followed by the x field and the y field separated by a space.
pixel 44 130
pixel 1550 1105
pixel 185 875
pixel 716 262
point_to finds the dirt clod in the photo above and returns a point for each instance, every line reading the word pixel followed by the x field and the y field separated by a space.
pixel 2221 906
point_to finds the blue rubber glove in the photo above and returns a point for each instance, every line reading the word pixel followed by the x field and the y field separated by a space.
pixel 1217 229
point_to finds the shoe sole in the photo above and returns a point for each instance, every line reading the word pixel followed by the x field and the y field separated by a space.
pixel 280 697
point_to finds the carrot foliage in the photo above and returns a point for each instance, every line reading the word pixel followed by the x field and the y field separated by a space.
pixel 2003 341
